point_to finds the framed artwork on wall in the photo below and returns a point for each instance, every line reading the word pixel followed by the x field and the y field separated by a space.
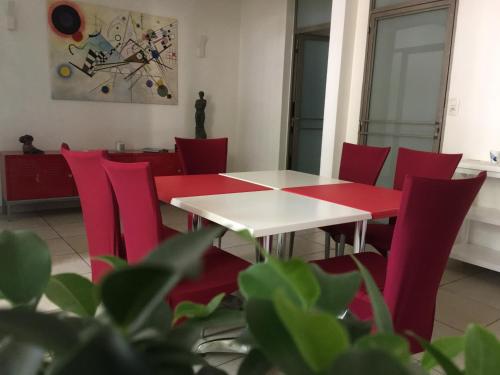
pixel 105 54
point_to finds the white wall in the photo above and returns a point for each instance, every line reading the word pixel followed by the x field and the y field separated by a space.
pixel 474 82
pixel 27 107
pixel 262 82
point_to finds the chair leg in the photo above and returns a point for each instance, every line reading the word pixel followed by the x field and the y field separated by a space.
pixel 327 245
pixel 341 247
pixel 290 245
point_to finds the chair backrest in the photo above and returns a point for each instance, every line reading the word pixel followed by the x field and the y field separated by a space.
pixel 424 164
pixel 99 207
pixel 202 156
pixel 362 164
pixel 139 209
pixel 429 219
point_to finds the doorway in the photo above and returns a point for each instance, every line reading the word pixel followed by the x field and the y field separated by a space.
pixel 406 77
pixel 308 100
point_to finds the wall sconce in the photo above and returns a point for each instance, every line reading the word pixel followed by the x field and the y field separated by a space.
pixel 11 15
pixel 202 46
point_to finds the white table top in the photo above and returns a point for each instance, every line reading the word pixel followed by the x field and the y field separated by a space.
pixel 282 179
pixel 270 212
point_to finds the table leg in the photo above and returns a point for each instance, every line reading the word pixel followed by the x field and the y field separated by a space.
pixel 194 222
pixel 359 236
pixel 364 227
pixel 280 247
pixel 266 243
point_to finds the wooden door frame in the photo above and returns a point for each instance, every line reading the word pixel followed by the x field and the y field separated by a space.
pixel 403 9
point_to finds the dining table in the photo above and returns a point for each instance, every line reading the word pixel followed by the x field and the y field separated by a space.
pixel 269 203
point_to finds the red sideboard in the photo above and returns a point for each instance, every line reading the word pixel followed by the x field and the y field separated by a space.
pixel 27 178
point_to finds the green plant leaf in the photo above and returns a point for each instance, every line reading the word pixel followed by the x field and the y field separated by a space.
pixel 114 262
pixel 158 323
pixel 104 352
pixel 22 359
pixel 43 330
pixel 273 339
pixel 449 346
pixel 183 252
pixel 73 293
pixel 367 361
pixel 381 313
pixel 130 295
pixel 195 310
pixel 447 365
pixel 312 332
pixel 395 345
pixel 255 363
pixel 482 352
pixel 357 329
pixel 337 291
pixel 24 266
pixel 294 277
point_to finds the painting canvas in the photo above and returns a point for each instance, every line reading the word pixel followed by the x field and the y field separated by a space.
pixel 106 54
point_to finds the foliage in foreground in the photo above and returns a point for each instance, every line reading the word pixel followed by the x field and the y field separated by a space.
pixel 295 315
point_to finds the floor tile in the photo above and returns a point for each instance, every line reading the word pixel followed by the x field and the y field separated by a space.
pixel 22 222
pixel 484 287
pixel 58 246
pixel 70 229
pixel 69 264
pixel 443 330
pixel 458 311
pixel 45 233
pixel 78 243
pixel 495 328
pixel 63 217
pixel 232 367
pixel 45 305
pixel 231 239
pixel 456 270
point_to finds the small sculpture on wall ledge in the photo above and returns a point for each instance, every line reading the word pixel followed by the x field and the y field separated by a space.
pixel 200 106
pixel 28 148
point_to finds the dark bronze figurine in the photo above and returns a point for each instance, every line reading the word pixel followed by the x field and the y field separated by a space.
pixel 28 148
pixel 200 106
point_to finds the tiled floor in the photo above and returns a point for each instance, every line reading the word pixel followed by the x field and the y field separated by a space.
pixel 468 294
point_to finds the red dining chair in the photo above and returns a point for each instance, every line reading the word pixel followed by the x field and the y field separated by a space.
pixel 432 211
pixel 99 207
pixel 361 164
pixel 140 216
pixel 409 163
pixel 202 156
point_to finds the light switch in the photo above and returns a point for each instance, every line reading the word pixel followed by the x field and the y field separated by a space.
pixel 453 107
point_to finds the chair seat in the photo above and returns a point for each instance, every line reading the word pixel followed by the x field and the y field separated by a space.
pixel 375 263
pixel 377 235
pixel 380 236
pixel 346 229
pixel 220 276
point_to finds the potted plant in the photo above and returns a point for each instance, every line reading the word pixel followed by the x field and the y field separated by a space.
pixel 295 314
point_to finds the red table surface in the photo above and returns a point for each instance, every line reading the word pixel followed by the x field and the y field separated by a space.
pixel 169 187
pixel 380 202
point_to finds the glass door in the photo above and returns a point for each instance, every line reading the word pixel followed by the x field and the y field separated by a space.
pixel 406 79
pixel 308 104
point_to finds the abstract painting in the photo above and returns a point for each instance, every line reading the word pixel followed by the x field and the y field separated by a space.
pixel 105 54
